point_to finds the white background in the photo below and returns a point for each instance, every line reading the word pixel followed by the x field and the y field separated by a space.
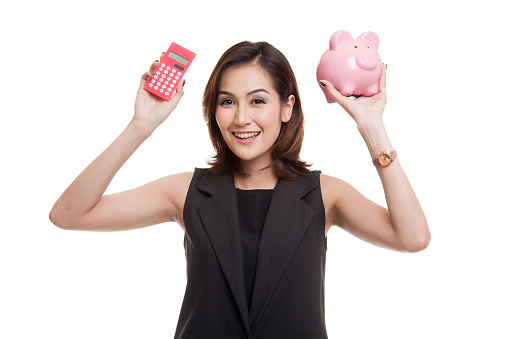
pixel 70 71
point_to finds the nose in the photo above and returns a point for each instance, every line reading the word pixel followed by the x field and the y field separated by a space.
pixel 242 116
pixel 367 61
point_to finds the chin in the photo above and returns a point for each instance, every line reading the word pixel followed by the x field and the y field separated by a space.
pixel 245 157
pixel 248 156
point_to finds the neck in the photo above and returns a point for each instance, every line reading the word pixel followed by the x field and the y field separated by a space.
pixel 257 177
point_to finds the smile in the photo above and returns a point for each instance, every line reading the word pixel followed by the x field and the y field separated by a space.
pixel 246 136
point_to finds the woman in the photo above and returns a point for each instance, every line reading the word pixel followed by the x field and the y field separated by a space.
pixel 256 222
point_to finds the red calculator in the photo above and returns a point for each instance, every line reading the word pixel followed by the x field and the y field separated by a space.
pixel 172 67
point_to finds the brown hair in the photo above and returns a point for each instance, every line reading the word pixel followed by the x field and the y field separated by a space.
pixel 286 149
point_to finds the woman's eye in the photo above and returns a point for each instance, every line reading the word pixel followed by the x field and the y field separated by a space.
pixel 227 102
pixel 258 101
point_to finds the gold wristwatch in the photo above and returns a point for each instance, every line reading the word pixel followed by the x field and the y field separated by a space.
pixel 385 158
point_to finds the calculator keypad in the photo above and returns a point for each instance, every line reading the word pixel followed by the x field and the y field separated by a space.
pixel 164 79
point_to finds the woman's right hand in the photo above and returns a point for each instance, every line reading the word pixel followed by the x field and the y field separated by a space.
pixel 149 109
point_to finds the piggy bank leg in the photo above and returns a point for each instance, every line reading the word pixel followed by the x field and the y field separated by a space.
pixel 347 90
pixel 372 90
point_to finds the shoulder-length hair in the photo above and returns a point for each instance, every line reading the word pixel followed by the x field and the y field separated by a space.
pixel 286 149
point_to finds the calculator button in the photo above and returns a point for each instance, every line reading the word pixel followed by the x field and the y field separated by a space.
pixel 158 72
pixel 150 85
pixel 168 67
pixel 162 65
pixel 173 70
pixel 161 90
pixel 155 77
pixel 153 81
pixel 155 87
pixel 170 75
pixel 171 85
pixel 163 75
pixel 174 81
pixel 163 86
pixel 158 84
pixel 176 77
pixel 166 82
pixel 179 73
pixel 166 93
pixel 160 68
pixel 165 71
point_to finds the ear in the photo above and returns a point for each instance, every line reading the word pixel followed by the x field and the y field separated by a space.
pixel 338 38
pixel 287 109
pixel 369 38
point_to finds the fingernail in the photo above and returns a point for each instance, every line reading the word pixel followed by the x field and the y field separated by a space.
pixel 183 83
pixel 156 61
pixel 322 83
pixel 385 66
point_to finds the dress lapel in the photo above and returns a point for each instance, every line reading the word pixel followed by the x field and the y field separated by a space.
pixel 219 214
pixel 287 220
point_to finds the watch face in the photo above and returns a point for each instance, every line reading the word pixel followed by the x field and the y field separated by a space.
pixel 384 159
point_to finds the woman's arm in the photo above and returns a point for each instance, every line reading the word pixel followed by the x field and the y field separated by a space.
pixel 82 206
pixel 402 226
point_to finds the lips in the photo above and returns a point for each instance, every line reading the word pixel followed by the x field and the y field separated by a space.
pixel 246 135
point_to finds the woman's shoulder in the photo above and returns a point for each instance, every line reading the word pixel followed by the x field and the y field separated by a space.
pixel 176 185
pixel 187 177
pixel 332 188
pixel 328 180
pixel 179 178
pixel 323 179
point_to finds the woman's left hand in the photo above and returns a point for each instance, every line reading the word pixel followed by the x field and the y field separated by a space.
pixel 362 108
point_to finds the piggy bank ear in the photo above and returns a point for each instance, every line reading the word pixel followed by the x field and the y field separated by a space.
pixel 338 38
pixel 370 39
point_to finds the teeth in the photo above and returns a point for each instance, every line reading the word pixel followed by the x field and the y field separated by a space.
pixel 246 135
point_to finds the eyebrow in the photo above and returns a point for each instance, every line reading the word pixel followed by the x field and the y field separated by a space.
pixel 252 92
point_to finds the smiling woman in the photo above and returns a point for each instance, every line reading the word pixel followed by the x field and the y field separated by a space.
pixel 251 115
pixel 251 87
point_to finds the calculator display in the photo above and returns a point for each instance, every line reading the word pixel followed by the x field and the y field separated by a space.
pixel 178 58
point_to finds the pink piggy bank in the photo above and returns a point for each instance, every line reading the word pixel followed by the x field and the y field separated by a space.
pixel 353 67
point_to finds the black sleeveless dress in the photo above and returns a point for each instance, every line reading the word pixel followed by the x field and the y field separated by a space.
pixel 253 206
pixel 283 296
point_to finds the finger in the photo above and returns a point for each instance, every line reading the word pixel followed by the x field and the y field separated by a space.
pixel 340 98
pixel 154 65
pixel 382 81
pixel 150 73
pixel 147 75
pixel 180 87
pixel 179 92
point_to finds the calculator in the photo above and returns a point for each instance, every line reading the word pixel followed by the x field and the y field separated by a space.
pixel 169 73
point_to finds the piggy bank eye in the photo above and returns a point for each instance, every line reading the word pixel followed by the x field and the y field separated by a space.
pixel 355 46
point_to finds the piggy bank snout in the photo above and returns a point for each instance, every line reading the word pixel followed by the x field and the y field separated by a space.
pixel 366 60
